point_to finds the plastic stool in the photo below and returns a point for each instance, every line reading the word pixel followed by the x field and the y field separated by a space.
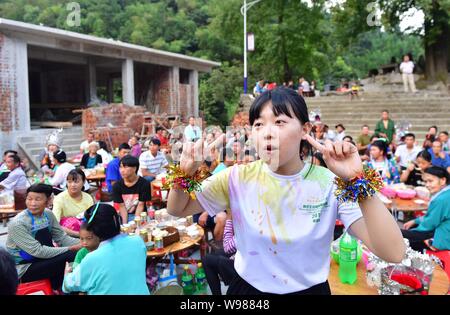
pixel 40 287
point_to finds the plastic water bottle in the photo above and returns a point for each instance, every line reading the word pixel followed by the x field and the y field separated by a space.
pixel 187 281
pixel 200 279
pixel 348 247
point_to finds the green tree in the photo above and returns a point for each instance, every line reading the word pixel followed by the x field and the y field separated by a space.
pixel 350 19
pixel 219 94
pixel 371 49
pixel 293 37
pixel 436 31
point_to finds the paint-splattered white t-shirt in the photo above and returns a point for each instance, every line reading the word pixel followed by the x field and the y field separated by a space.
pixel 283 224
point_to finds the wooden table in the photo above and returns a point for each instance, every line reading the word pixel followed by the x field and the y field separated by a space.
pixel 74 161
pixel 97 178
pixel 175 248
pixel 439 283
pixel 407 205
pixel 6 213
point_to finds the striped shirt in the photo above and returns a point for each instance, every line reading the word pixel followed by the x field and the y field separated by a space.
pixel 229 244
pixel 153 164
pixel 20 238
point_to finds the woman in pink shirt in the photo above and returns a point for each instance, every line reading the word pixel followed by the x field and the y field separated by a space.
pixel 136 147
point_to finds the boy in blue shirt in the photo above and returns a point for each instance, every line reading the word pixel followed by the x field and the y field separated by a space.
pixel 112 171
pixel 438 156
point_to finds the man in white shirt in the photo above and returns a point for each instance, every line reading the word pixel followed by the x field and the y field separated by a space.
pixel 443 137
pixel 152 161
pixel 4 171
pixel 192 132
pixel 407 68
pixel 16 180
pixel 303 86
pixel 407 153
pixel 84 146
pixel 340 132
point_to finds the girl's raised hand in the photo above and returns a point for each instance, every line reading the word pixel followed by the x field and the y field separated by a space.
pixel 195 153
pixel 341 157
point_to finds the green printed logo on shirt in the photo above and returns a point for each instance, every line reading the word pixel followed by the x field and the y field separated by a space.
pixel 313 208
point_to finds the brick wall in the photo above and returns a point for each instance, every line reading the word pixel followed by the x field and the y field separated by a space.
pixel 184 101
pixel 8 86
pixel 113 137
pixel 240 119
pixel 163 88
pixel 119 120
pixel 162 91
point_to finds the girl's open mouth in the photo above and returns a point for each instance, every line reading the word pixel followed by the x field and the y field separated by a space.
pixel 269 149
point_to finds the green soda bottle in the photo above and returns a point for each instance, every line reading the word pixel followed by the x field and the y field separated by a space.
pixel 348 247
pixel 200 279
pixel 187 281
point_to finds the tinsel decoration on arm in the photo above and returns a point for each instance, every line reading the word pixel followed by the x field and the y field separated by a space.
pixel 359 188
pixel 178 179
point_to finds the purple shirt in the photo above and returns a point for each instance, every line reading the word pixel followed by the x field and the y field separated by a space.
pixel 136 150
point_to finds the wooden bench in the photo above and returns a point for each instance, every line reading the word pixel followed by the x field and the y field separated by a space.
pixel 53 124
pixel 7 213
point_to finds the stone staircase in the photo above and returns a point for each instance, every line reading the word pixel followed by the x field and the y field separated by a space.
pixel 421 110
pixel 32 144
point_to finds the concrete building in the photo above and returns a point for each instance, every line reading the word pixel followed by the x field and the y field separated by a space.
pixel 46 71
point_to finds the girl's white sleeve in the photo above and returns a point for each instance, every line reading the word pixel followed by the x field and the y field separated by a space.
pixel 214 196
pixel 57 179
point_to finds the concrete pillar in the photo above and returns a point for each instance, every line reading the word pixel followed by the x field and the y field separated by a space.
pixel 110 89
pixel 188 101
pixel 22 121
pixel 193 81
pixel 92 79
pixel 175 105
pixel 14 91
pixel 128 82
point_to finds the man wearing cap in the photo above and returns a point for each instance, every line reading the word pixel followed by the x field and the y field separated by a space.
pixel 58 181
pixel 340 132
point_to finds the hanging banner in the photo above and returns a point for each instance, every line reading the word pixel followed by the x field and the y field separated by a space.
pixel 250 42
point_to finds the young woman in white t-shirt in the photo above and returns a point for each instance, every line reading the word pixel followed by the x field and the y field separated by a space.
pixel 284 210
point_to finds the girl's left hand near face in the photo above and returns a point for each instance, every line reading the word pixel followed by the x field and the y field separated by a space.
pixel 341 157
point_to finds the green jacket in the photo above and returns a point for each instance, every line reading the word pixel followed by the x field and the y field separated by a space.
pixel 437 219
pixel 390 131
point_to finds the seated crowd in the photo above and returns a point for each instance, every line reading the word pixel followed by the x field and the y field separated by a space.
pixel 74 227
pixel 404 161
